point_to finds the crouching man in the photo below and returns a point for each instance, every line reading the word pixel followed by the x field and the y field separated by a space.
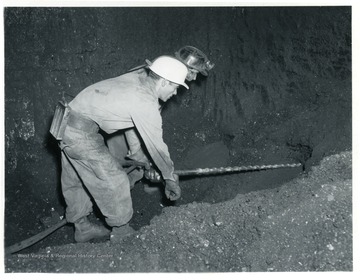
pixel 90 170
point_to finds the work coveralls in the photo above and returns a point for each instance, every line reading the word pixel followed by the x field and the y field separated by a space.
pixel 115 104
pixel 127 145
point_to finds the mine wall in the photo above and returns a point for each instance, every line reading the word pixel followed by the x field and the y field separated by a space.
pixel 280 92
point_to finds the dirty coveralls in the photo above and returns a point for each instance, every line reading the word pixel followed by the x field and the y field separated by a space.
pixel 119 103
pixel 127 145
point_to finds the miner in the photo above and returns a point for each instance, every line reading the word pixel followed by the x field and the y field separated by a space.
pixel 91 171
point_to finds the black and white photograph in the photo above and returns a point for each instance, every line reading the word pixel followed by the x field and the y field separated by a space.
pixel 178 138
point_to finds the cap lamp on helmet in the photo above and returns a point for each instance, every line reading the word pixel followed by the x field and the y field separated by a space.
pixel 194 59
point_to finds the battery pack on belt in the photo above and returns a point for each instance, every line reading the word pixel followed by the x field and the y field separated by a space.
pixel 65 116
pixel 59 121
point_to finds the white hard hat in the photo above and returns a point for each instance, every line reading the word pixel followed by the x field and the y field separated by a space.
pixel 170 69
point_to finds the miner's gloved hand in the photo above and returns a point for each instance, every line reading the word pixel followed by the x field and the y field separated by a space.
pixel 152 175
pixel 172 189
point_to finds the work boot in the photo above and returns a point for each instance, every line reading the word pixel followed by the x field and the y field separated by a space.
pixel 85 231
pixel 118 234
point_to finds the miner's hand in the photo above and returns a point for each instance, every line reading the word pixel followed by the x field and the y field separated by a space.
pixel 152 175
pixel 172 189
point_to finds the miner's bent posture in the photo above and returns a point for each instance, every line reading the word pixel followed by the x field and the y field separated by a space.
pixel 129 103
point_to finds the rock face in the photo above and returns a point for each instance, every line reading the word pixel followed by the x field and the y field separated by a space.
pixel 303 225
pixel 280 92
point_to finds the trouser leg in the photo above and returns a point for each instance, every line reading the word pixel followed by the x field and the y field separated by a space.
pixel 117 145
pixel 119 148
pixel 77 199
pixel 104 178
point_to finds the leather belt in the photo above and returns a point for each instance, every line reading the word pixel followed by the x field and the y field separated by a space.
pixel 78 121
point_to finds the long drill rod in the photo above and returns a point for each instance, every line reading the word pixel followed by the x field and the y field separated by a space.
pixel 231 169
